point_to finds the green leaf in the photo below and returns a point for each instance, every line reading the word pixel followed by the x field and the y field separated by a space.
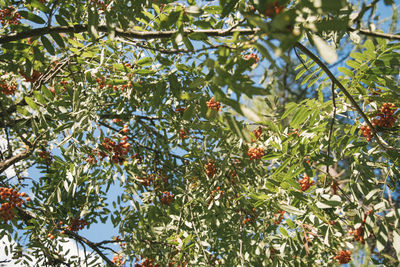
pixel 291 209
pixel 60 20
pixel 47 44
pixel 40 98
pixel 346 71
pixel 369 45
pixel 147 61
pixel 32 17
pixel 93 22
pixel 58 39
pixel 31 103
pixel 396 242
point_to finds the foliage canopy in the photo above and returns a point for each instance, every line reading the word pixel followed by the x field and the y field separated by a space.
pixel 235 133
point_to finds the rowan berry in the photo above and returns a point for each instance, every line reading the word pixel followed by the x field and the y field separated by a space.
pixel 7 89
pixel 167 198
pixel 214 105
pixel 13 199
pixel 210 169
pixel 343 257
pixel 182 134
pixel 256 153
pixel 273 9
pixel 76 224
pixel 305 183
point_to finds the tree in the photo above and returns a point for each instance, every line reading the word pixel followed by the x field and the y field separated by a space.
pixel 234 130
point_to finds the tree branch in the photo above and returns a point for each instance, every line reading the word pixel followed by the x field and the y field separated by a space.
pixel 332 77
pixel 143 35
pixel 376 34
pixel 23 155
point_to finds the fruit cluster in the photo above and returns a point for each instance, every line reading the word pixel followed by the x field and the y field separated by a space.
pixel 118 260
pixel 343 257
pixel 76 224
pixel 118 150
pixel 216 191
pixel 210 169
pixel 273 9
pixel 146 181
pixel 280 218
pixel 256 153
pixel 385 118
pixel 46 156
pixel 101 81
pixel 182 134
pixel 166 198
pixel 305 183
pixel 359 232
pixel 214 105
pixel 252 56
pixel 7 89
pixel 257 132
pixel 147 263
pixel 101 4
pixel 251 217
pixel 10 16
pixel 13 199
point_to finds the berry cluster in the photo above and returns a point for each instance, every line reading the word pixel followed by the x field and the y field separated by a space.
pixel 305 183
pixel 118 260
pixel 101 4
pixel 101 82
pixel 146 181
pixel 147 263
pixel 10 16
pixel 251 217
pixel 256 153
pixel 46 156
pixel 167 198
pixel 214 105
pixel 273 9
pixel 385 118
pixel 252 56
pixel 359 232
pixel 91 159
pixel 13 199
pixel 7 89
pixel 216 191
pixel 343 257
pixel 117 121
pixel 280 218
pixel 182 134
pixel 257 132
pixel 76 225
pixel 210 169
pixel 118 150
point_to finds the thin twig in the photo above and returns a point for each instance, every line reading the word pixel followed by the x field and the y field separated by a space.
pixel 173 51
pixel 331 127
pixel 376 34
